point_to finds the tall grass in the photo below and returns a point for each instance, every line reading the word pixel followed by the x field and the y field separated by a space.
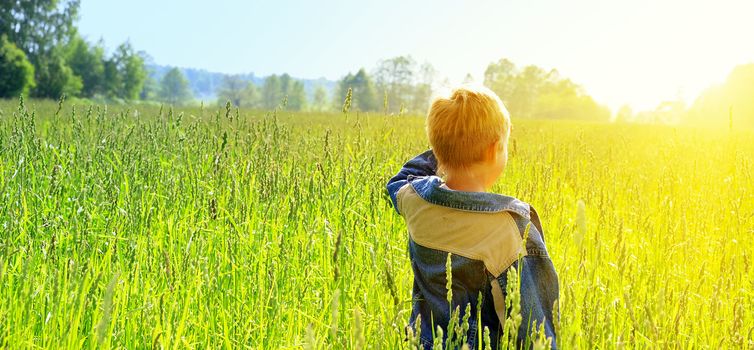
pixel 163 228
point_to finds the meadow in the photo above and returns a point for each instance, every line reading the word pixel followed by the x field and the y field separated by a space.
pixel 152 227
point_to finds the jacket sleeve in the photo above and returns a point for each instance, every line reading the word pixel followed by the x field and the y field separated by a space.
pixel 424 164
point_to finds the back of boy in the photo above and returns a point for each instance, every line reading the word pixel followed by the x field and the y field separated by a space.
pixel 456 225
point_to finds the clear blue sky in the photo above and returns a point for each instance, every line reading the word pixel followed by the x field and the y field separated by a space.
pixel 638 52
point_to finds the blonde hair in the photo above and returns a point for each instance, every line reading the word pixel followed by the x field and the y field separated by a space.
pixel 462 127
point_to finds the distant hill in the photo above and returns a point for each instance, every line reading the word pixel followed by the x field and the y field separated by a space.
pixel 204 84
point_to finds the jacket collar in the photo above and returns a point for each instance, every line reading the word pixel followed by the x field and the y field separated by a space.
pixel 428 187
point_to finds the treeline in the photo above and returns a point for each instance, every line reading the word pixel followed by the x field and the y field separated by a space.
pixel 395 86
pixel 398 85
pixel 43 52
pixel 532 92
pixel 276 91
pixel 43 55
pixel 729 105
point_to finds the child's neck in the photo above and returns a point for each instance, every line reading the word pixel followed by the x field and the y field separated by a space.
pixel 465 182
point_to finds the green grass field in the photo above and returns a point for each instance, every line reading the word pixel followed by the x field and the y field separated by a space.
pixel 206 228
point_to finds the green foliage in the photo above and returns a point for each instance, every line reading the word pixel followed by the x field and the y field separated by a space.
pixel 64 62
pixel 730 103
pixel 38 27
pixel 296 96
pixel 87 62
pixel 131 70
pixel 250 96
pixel 113 79
pixel 285 83
pixel 396 86
pixel 122 76
pixel 16 71
pixel 422 88
pixel 174 88
pixel 272 95
pixel 55 78
pixel 151 89
pixel 238 91
pixel 362 90
pixel 319 100
pixel 281 91
pixel 396 77
pixel 535 93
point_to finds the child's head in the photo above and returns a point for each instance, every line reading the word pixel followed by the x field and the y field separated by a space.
pixel 468 131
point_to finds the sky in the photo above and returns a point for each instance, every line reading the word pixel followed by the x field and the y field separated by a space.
pixel 634 52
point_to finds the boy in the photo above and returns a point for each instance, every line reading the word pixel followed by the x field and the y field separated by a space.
pixel 483 232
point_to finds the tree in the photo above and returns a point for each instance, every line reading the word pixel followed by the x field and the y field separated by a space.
pixel 423 87
pixel 174 88
pixel 286 82
pixel 363 94
pixel 319 100
pixel 271 92
pixel 54 78
pixel 250 96
pixel 87 62
pixel 151 89
pixel 500 78
pixel 17 72
pixel 112 80
pixel 530 84
pixel 131 70
pixel 125 74
pixel 292 90
pixel 64 62
pixel 625 114
pixel 396 76
pixel 37 27
pixel 239 91
pixel 232 89
pixel 729 104
pixel 296 96
pixel 566 100
pixel 536 93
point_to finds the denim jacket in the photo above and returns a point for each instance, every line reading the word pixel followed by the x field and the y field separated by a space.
pixel 484 234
